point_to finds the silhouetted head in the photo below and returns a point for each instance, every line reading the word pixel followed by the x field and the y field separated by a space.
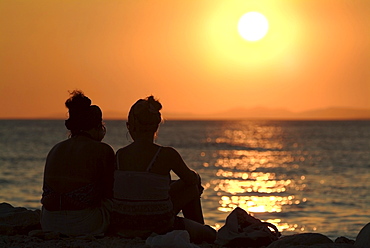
pixel 144 115
pixel 82 115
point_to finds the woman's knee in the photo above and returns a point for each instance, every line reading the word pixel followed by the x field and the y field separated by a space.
pixel 200 233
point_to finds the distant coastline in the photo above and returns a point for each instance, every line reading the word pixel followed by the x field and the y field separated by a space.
pixel 256 113
pixel 333 113
pixel 263 113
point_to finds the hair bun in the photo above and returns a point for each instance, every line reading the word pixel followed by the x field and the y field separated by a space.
pixel 82 115
pixel 78 101
pixel 144 115
pixel 154 105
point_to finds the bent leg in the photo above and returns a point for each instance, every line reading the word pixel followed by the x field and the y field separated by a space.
pixel 186 198
pixel 200 233
pixel 193 211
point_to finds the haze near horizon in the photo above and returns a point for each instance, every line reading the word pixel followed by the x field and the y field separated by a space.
pixel 189 54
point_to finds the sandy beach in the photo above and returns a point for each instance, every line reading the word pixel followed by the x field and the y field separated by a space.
pixel 20 227
pixel 112 242
pixel 115 242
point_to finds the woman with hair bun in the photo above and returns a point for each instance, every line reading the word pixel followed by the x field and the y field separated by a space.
pixel 78 175
pixel 145 200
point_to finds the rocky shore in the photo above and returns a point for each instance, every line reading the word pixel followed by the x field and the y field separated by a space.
pixel 20 227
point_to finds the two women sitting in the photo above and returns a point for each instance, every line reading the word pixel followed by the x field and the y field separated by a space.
pixel 82 187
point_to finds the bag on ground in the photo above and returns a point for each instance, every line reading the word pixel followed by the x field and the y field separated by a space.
pixel 243 230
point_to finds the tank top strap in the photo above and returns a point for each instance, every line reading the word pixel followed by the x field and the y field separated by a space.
pixel 153 159
pixel 117 162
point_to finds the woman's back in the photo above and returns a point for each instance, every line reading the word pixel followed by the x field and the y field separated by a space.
pixel 140 182
pixel 140 186
pixel 138 155
pixel 78 174
pixel 141 199
pixel 76 162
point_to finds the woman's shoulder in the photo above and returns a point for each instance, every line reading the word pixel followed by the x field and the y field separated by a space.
pixel 98 146
pixel 106 147
pixel 124 149
pixel 169 151
pixel 94 144
pixel 167 148
pixel 61 145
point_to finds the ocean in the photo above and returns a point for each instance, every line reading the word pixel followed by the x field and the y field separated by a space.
pixel 302 176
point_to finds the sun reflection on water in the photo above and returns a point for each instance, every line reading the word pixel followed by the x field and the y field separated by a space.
pixel 244 178
pixel 251 160
pixel 256 204
pixel 261 137
pixel 252 182
pixel 232 192
pixel 255 192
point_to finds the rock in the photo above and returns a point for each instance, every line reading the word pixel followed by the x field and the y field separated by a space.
pixel 363 237
pixel 306 239
pixel 176 238
pixel 45 235
pixel 18 220
pixel 37 233
pixel 344 240
pixel 332 245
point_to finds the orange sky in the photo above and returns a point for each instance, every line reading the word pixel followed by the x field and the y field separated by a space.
pixel 187 53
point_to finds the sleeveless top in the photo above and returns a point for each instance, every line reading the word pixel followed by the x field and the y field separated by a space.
pixel 84 197
pixel 141 192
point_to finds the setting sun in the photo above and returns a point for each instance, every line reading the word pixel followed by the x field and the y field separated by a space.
pixel 253 26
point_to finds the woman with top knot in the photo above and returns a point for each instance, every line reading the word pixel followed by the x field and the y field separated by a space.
pixel 78 175
pixel 145 200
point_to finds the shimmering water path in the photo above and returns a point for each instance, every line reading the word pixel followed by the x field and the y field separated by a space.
pixel 303 176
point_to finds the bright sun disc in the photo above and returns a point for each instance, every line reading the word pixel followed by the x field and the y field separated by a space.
pixel 253 26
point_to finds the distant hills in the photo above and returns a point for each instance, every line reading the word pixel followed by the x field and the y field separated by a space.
pixel 333 113
pixel 336 113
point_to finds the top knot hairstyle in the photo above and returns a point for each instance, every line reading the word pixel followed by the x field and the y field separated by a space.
pixel 82 115
pixel 144 115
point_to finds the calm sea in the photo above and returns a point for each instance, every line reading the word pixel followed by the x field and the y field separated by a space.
pixel 303 176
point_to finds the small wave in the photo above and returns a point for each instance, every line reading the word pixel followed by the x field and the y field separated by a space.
pixel 4 182
pixel 221 146
pixel 228 146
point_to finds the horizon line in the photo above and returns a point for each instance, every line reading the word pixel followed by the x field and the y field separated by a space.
pixel 210 119
pixel 254 113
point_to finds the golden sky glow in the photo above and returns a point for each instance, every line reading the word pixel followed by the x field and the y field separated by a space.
pixel 189 54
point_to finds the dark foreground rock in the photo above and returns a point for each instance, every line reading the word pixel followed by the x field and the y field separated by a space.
pixel 65 242
pixel 18 220
pixel 311 240
pixel 20 227
pixel 301 239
